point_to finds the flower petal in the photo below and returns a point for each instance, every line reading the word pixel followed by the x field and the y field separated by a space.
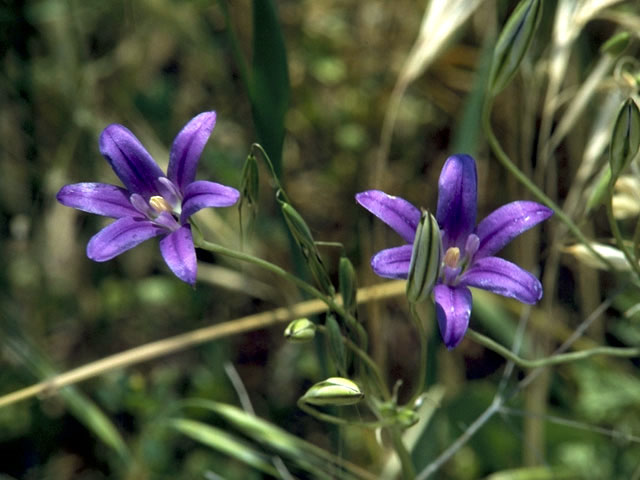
pixel 506 223
pixel 392 262
pixel 187 148
pixel 504 278
pixel 98 198
pixel 453 308
pixel 203 194
pixel 129 160
pixel 457 200
pixel 122 235
pixel 396 212
pixel 180 255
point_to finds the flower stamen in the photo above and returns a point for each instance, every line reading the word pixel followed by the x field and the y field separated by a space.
pixel 159 204
pixel 452 257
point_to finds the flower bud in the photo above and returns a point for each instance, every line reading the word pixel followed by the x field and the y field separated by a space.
pixel 613 255
pixel 426 258
pixel 302 234
pixel 300 330
pixel 625 139
pixel 333 391
pixel 513 43
pixel 250 181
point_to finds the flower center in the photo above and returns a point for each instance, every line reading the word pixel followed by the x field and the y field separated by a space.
pixel 455 262
pixel 159 204
pixel 451 257
pixel 158 210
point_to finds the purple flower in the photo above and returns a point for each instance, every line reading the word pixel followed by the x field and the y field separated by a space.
pixel 468 259
pixel 151 204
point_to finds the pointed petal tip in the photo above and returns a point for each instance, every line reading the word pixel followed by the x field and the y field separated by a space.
pixel 457 199
pixel 204 194
pixel 98 198
pixel 130 161
pixel 453 309
pixel 507 222
pixel 187 148
pixel 179 254
pixel 392 262
pixel 120 236
pixel 505 278
pixel 402 216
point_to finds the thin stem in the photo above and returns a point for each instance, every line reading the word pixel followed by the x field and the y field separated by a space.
pixel 408 470
pixel 461 440
pixel 273 268
pixel 615 230
pixel 362 355
pixel 191 339
pixel 553 359
pixel 532 187
pixel 326 417
pixel 281 192
pixel 422 368
pixel 331 303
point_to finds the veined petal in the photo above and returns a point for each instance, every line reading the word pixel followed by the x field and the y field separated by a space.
pixel 187 148
pixel 180 255
pixel 457 200
pixel 203 194
pixel 504 278
pixel 129 160
pixel 392 262
pixel 453 308
pixel 396 212
pixel 506 223
pixel 122 235
pixel 98 198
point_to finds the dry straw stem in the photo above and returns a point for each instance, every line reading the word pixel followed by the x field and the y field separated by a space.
pixel 190 339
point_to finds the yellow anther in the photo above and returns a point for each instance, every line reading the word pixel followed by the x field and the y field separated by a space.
pixel 451 257
pixel 159 204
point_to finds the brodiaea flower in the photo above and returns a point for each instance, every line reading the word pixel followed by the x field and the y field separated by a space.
pixel 468 259
pixel 151 204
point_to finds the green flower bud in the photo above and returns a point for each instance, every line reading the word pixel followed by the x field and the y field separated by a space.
pixel 333 391
pixel 249 180
pixel 513 43
pixel 426 258
pixel 297 226
pixel 302 234
pixel 300 330
pixel 625 139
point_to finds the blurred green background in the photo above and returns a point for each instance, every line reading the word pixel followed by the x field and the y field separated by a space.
pixel 71 67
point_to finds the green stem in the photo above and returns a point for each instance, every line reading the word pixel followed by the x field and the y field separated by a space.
pixel 615 230
pixel 330 302
pixel 408 470
pixel 532 187
pixel 422 368
pixel 554 359
pixel 325 417
pixel 362 355
pixel 245 257
pixel 276 180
